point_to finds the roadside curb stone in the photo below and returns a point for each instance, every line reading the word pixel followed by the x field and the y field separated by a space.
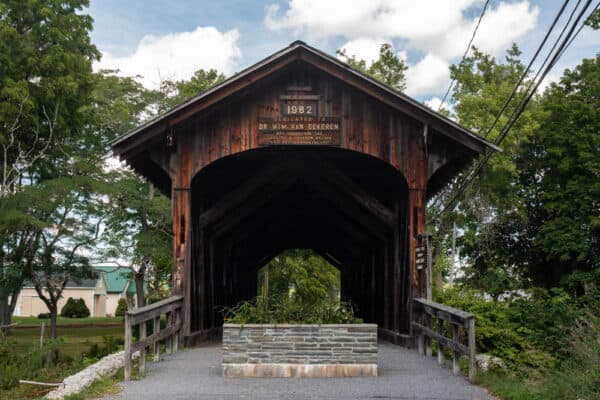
pixel 106 366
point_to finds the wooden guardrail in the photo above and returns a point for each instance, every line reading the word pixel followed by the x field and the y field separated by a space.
pixel 171 308
pixel 424 313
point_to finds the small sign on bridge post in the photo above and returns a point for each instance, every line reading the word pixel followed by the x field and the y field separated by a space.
pixel 423 257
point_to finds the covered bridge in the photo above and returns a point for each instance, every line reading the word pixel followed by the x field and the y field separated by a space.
pixel 299 151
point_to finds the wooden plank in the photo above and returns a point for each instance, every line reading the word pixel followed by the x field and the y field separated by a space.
pixel 149 315
pixel 242 192
pixel 143 349
pixel 153 310
pixel 472 351
pixel 169 340
pixel 442 311
pixel 156 337
pixel 396 272
pixel 338 179
pixel 252 202
pixel 417 327
pixel 440 349
pixel 156 349
pixel 455 354
pixel 128 351
pixel 158 304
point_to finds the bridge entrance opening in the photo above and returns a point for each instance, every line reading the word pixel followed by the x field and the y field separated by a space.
pixel 300 274
pixel 349 208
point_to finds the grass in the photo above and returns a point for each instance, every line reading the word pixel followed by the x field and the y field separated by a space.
pixel 507 387
pixel 75 338
pixel 100 388
pixel 34 321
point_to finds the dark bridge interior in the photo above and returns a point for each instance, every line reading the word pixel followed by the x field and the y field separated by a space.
pixel 349 207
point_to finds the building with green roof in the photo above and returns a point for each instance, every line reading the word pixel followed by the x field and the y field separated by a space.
pixel 119 284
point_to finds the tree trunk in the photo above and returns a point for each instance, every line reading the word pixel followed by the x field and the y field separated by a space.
pixel 53 315
pixel 52 354
pixel 4 310
pixel 14 296
pixel 139 286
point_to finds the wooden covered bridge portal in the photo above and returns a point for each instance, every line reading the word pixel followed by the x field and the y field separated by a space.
pixel 299 151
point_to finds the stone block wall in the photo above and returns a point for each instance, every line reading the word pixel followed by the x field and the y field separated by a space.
pixel 285 350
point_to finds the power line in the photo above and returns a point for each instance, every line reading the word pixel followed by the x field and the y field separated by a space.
pixel 526 72
pixel 581 27
pixel 531 89
pixel 466 51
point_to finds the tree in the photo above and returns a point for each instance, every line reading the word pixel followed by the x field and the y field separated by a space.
pixel 176 92
pixel 560 173
pixel 302 272
pixel 66 217
pixel 493 218
pixel 388 68
pixel 139 231
pixel 45 78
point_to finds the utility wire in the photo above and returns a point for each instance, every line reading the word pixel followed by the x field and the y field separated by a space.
pixel 582 26
pixel 532 90
pixel 526 72
pixel 466 51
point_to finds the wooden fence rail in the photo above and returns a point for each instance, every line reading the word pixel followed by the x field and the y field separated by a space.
pixel 171 308
pixel 424 312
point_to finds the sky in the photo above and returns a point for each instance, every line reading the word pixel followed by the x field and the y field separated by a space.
pixel 160 39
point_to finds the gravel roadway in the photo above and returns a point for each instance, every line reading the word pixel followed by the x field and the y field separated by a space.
pixel 196 374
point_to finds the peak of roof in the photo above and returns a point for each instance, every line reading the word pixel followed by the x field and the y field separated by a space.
pixel 408 105
pixel 297 42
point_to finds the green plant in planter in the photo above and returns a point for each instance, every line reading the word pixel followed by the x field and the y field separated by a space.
pixel 290 310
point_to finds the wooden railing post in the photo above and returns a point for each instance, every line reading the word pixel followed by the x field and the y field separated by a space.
pixel 427 322
pixel 455 354
pixel 143 349
pixel 175 339
pixel 169 339
pixel 155 331
pixel 472 364
pixel 440 350
pixel 127 361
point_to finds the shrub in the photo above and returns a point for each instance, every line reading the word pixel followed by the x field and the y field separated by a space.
pixel 289 310
pixel 579 374
pixel 45 315
pixel 514 330
pixel 75 308
pixel 121 307
pixel 109 345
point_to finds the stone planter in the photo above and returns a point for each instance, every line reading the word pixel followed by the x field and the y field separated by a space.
pixel 298 350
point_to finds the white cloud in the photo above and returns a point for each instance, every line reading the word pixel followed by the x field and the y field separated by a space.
pixel 358 18
pixel 438 29
pixel 177 55
pixel 429 75
pixel 364 49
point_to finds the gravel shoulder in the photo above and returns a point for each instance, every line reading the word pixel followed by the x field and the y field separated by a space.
pixel 196 374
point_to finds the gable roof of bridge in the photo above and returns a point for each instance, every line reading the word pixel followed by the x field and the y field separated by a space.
pixel 299 50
